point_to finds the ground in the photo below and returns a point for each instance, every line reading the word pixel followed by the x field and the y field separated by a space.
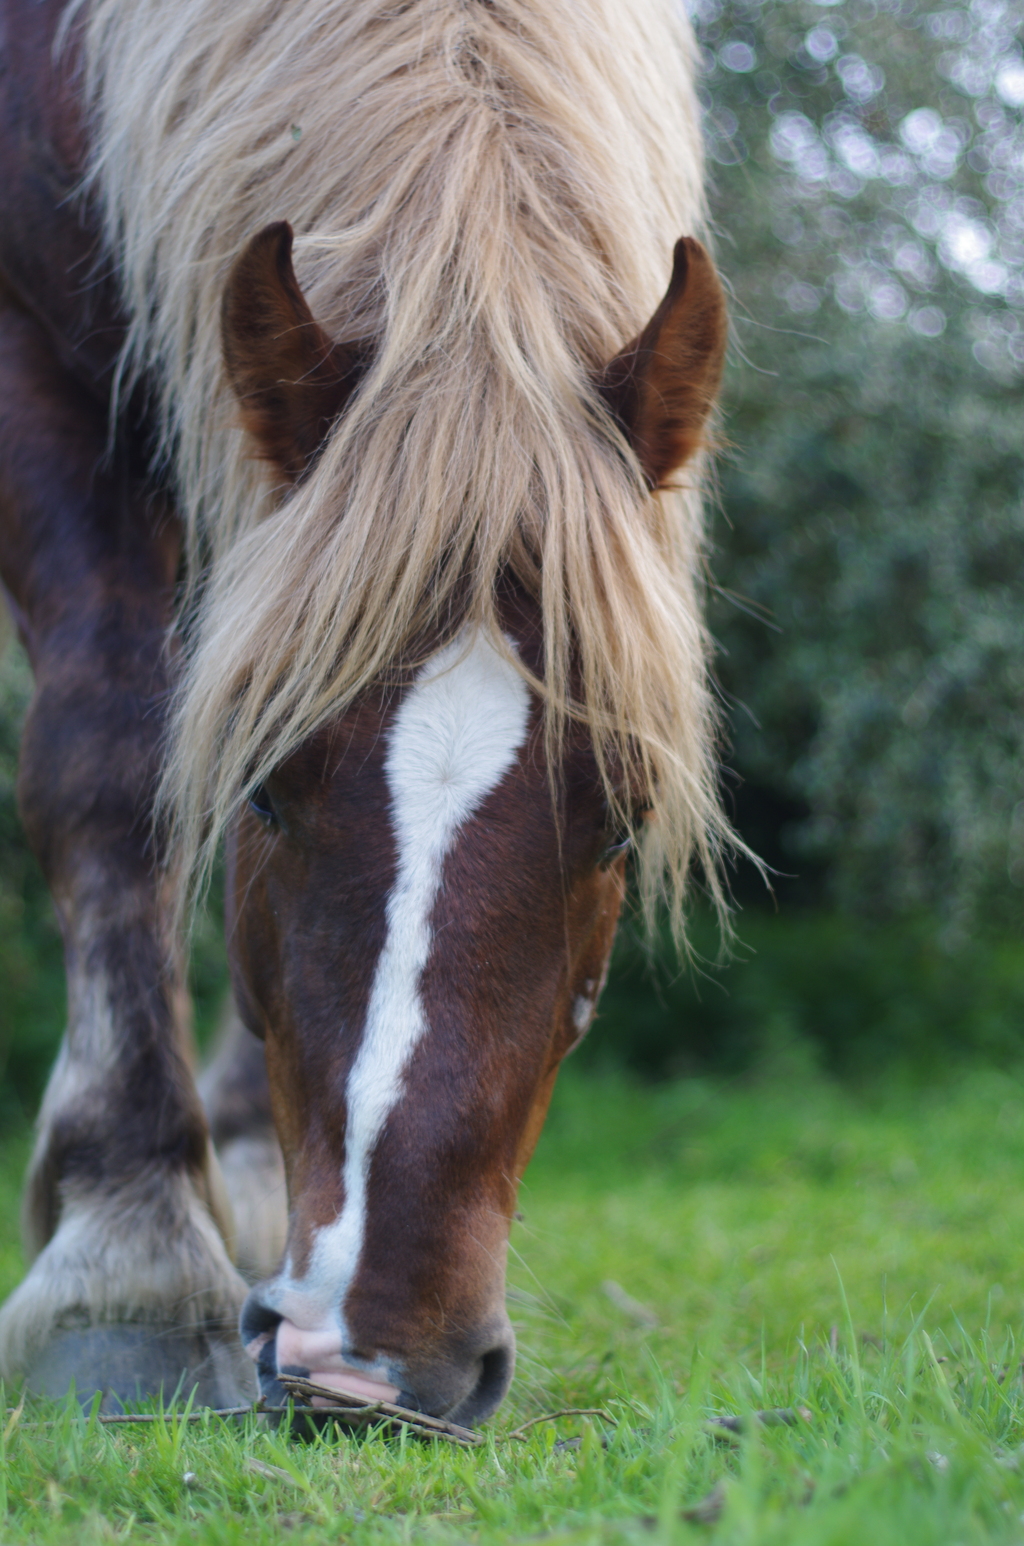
pixel 856 1257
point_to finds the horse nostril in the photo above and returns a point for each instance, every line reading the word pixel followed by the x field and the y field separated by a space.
pixel 496 1368
pixel 258 1321
pixel 495 1375
pixel 258 1329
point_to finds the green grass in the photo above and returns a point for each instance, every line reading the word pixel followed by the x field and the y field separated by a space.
pixel 857 1255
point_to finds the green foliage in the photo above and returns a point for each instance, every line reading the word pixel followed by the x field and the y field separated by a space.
pixel 876 515
pixel 868 191
pixel 849 995
pixel 799 1247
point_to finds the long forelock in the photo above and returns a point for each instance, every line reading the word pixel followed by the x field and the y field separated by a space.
pixel 488 193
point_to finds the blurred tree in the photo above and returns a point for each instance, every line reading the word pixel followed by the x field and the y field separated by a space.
pixel 868 170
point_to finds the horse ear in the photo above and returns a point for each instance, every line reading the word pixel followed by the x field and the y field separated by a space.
pixel 662 386
pixel 291 381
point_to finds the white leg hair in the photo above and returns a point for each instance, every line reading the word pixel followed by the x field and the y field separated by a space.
pixel 148 1247
pixel 150 1252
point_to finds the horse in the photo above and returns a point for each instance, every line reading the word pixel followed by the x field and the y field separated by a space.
pixel 356 371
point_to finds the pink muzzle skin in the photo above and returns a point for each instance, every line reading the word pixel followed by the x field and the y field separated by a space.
pixel 320 1353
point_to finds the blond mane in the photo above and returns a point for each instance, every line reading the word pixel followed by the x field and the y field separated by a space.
pixel 488 191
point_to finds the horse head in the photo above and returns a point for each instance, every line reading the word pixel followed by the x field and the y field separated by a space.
pixel 422 902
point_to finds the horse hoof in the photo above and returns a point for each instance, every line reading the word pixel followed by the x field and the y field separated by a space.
pixel 134 1365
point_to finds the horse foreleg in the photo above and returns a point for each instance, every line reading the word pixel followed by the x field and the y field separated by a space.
pixel 131 1289
pixel 236 1095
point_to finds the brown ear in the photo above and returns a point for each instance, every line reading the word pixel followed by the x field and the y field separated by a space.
pixel 292 382
pixel 661 387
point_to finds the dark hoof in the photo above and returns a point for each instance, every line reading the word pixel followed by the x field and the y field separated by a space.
pixel 134 1365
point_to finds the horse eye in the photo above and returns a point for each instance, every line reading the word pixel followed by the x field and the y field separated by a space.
pixel 621 843
pixel 261 805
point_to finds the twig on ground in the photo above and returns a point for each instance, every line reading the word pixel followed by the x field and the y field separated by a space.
pixel 273 1473
pixel 256 1410
pixel 777 1417
pixel 112 1418
pixel 352 1412
pixel 569 1411
pixel 628 1305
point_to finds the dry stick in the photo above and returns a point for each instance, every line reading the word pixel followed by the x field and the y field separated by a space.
pixel 381 1409
pixel 354 1411
pixel 183 1417
pixel 195 1417
pixel 272 1473
pixel 569 1411
pixel 780 1416
pixel 160 1417
pixel 640 1313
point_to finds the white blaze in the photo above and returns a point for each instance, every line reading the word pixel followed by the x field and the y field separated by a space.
pixel 453 738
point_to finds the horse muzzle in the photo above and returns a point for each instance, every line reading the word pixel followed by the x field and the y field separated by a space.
pixel 464 1379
